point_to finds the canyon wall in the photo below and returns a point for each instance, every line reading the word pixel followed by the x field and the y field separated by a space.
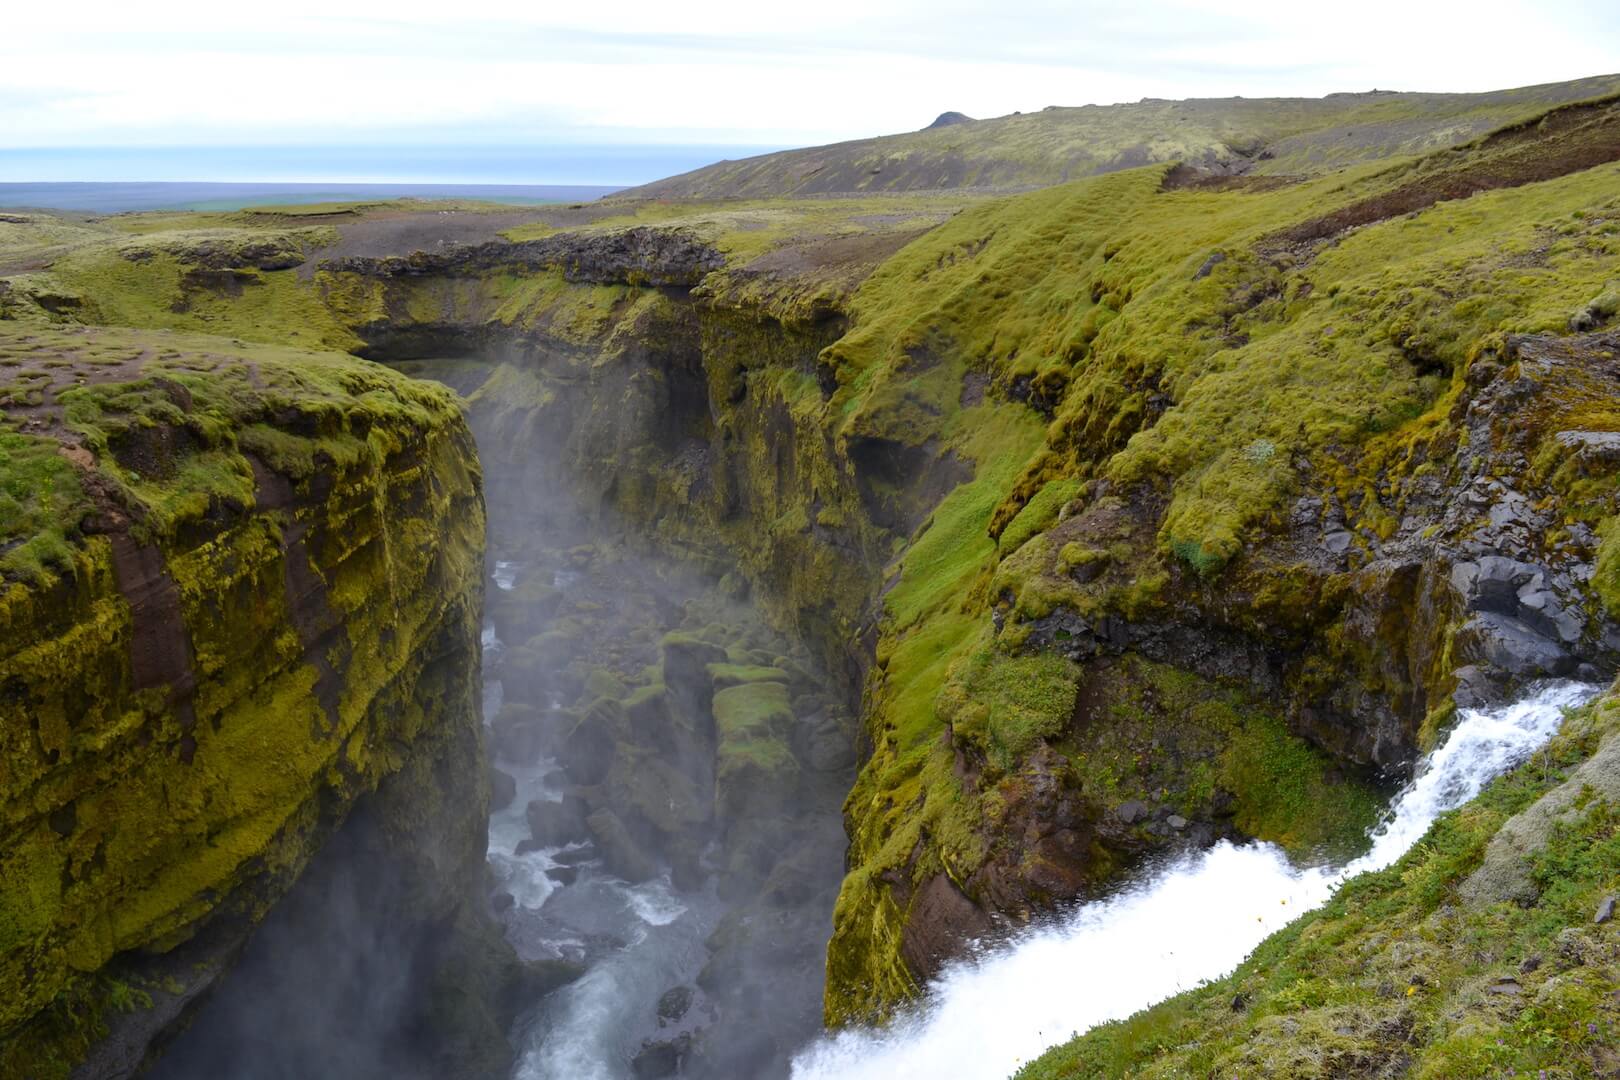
pixel 262 612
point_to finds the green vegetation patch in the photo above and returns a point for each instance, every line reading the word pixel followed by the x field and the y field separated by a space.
pixel 1008 704
pixel 42 504
pixel 166 422
pixel 753 720
pixel 1145 730
pixel 1038 514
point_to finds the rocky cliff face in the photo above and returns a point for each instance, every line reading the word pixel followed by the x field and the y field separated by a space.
pixel 259 610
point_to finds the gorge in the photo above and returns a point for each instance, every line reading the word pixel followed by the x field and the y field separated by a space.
pixel 870 578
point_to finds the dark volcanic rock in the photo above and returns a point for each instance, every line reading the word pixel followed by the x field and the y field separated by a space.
pixel 1509 645
pixel 673 1004
pixel 553 824
pixel 642 255
pixel 574 856
pixel 502 790
pixel 621 853
pixel 657 1059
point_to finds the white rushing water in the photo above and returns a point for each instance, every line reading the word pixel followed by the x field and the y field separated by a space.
pixel 639 940
pixel 1191 921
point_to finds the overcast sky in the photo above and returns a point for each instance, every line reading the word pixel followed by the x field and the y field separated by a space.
pixel 754 72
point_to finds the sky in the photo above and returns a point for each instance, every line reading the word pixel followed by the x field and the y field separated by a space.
pixel 172 80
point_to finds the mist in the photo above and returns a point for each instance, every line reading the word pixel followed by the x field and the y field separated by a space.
pixel 664 845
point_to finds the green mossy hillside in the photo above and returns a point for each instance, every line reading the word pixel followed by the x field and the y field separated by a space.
pixel 1267 136
pixel 1195 382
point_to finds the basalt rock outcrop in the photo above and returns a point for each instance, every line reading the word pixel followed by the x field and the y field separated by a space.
pixel 635 256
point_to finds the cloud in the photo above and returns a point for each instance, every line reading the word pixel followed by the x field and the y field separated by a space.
pixel 725 72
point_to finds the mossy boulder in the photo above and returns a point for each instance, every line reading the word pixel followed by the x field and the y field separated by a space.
pixel 523 611
pixel 756 772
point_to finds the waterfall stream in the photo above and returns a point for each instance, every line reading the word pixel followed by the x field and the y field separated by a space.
pixel 1190 920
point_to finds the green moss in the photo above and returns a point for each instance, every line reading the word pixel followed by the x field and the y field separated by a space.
pixel 1606 575
pixel 753 720
pixel 1038 514
pixel 157 283
pixel 736 674
pixel 938 568
pixel 1287 790
pixel 41 505
pixel 1008 704
pixel 168 419
pixel 132 820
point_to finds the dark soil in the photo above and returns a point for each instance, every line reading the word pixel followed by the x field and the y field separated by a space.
pixel 1565 141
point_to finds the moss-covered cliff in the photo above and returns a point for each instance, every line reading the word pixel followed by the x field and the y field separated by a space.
pixel 1134 512
pixel 241 591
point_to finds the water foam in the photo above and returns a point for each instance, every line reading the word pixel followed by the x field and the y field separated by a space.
pixel 1191 920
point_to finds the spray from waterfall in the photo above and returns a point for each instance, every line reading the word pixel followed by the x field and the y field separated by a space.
pixel 1191 921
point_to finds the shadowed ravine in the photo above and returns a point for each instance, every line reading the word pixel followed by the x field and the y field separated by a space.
pixel 694 896
pixel 664 835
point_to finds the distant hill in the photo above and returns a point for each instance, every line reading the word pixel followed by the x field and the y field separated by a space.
pixel 1267 136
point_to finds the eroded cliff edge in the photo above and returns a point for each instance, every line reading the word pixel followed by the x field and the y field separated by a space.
pixel 241 599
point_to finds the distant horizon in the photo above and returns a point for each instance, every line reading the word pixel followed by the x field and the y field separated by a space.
pixel 561 165
pixel 114 197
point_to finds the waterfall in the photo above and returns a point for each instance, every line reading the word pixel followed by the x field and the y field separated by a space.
pixel 1188 921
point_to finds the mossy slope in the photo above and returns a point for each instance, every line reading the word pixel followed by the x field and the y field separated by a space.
pixel 1272 136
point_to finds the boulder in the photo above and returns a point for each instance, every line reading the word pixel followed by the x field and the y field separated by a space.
pixel 660 1058
pixel 523 612
pixel 539 668
pixel 831 748
pixel 686 661
pixel 519 733
pixel 1132 812
pixel 673 1004
pixel 621 853
pixel 502 790
pixel 555 823
pixel 574 856
pixel 1492 583
pixel 1512 646
pixel 757 773
pixel 588 746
